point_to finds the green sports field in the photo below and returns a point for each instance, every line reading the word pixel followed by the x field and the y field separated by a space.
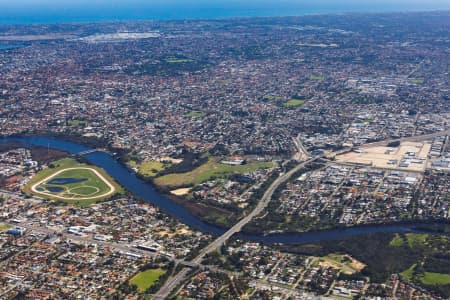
pixel 196 114
pixel 174 60
pixel 144 280
pixel 317 78
pixel 429 278
pixel 68 180
pixel 211 169
pixel 294 103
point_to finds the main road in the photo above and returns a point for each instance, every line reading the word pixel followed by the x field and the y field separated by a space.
pixel 174 281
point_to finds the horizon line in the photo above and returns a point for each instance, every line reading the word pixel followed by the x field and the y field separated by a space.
pixel 305 14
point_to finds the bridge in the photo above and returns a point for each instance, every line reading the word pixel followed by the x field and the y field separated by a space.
pixel 174 281
pixel 87 152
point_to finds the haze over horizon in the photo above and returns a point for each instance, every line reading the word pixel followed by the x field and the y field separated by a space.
pixel 51 11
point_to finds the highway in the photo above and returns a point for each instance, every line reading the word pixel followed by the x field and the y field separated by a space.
pixel 262 204
pixel 302 152
pixel 174 281
pixel 301 146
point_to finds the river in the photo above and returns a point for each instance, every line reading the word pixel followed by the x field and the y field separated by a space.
pixel 138 187
pixel 9 47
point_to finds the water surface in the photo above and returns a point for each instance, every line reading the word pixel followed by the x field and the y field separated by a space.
pixel 67 11
pixel 143 190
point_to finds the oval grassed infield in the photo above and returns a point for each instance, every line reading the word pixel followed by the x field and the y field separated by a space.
pixel 75 183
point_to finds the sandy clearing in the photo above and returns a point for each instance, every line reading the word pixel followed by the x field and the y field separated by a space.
pixel 181 192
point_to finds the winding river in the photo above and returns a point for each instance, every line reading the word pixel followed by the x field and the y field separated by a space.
pixel 138 187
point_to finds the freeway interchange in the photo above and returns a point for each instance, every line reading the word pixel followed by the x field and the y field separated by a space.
pixel 174 281
pixel 178 278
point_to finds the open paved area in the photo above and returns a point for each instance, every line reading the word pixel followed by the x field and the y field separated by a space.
pixel 409 156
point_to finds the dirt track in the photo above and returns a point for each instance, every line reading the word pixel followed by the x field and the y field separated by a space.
pixel 111 191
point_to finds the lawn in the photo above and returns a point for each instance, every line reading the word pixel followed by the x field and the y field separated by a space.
pixel 57 165
pixel 76 122
pixel 408 273
pixel 418 81
pixel 317 78
pixel 173 60
pixel 429 278
pixel 272 97
pixel 207 171
pixel 4 227
pixel 144 280
pixel 397 241
pixel 84 186
pixel 86 190
pixel 293 103
pixel 416 240
pixel 196 114
pixel 148 168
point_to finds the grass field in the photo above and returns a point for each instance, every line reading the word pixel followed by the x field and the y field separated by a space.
pixel 397 241
pixel 144 280
pixel 435 278
pixel 148 168
pixel 416 240
pixel 92 184
pixel 4 227
pixel 174 60
pixel 196 114
pixel 293 103
pixel 317 78
pixel 413 240
pixel 272 97
pixel 408 273
pixel 70 181
pixel 418 81
pixel 76 122
pixel 346 264
pixel 207 171
pixel 427 278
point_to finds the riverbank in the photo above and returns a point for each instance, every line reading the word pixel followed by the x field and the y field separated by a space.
pixel 144 191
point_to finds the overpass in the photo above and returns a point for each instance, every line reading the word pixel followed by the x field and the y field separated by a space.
pixel 174 281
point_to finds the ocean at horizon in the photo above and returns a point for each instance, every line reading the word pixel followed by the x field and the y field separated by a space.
pixel 64 11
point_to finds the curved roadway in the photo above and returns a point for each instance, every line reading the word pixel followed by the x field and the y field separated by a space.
pixel 111 191
pixel 174 281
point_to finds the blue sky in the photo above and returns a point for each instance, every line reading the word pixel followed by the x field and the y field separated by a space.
pixel 74 3
pixel 28 4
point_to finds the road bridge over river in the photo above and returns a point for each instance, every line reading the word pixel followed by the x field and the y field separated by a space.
pixel 174 281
